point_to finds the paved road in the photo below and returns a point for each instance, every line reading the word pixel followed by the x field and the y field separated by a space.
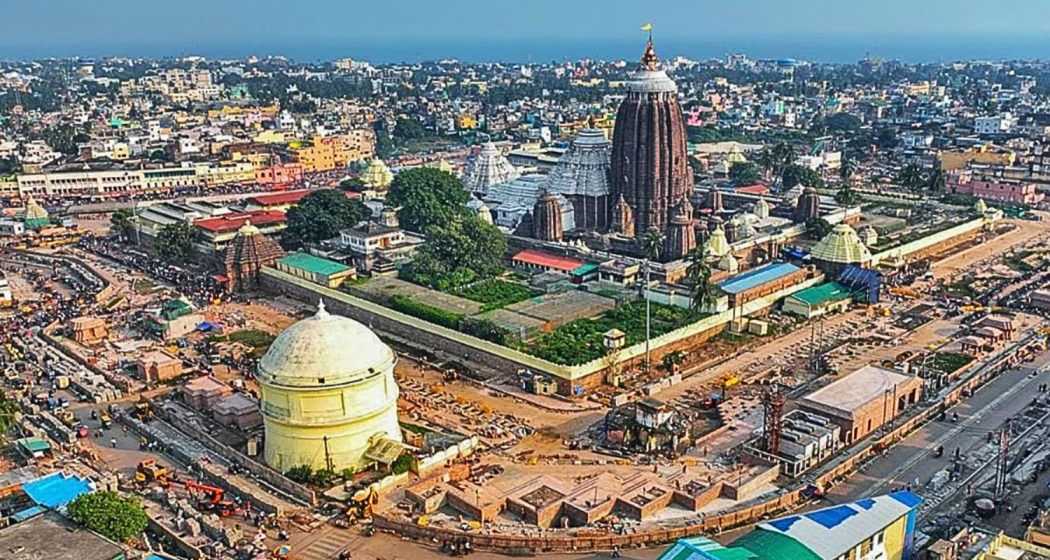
pixel 913 458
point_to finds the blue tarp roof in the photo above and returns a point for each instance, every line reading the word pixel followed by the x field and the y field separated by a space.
pixel 56 490
pixel 757 277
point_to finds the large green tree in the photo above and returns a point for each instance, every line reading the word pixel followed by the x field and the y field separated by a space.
pixel 426 196
pixel 817 228
pixel 174 242
pixel 122 223
pixel 322 215
pixel 795 174
pixel 911 177
pixel 745 173
pixel 409 129
pixel 459 252
pixel 109 514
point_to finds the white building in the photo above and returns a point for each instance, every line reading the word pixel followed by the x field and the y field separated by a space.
pixel 998 124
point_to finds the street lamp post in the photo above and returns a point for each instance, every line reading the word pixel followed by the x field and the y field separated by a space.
pixel 648 317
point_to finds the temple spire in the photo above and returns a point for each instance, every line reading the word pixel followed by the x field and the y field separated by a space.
pixel 649 59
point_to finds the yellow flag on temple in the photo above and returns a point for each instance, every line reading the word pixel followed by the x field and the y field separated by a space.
pixel 647 27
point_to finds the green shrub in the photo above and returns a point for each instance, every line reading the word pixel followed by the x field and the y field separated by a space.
pixel 402 464
pixel 111 515
pixel 496 294
pixel 485 330
pixel 428 313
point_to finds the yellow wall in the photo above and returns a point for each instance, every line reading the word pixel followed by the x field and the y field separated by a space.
pixel 893 541
pixel 298 420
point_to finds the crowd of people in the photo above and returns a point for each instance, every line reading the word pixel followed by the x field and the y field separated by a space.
pixel 192 281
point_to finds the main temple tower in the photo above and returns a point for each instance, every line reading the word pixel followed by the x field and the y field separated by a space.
pixel 650 167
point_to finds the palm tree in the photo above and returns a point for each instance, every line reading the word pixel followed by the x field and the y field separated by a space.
pixel 846 170
pixel 8 409
pixel 935 181
pixel 767 161
pixel 911 177
pixel 783 156
pixel 652 244
pixel 699 274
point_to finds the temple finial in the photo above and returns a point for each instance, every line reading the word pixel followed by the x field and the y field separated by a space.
pixel 321 311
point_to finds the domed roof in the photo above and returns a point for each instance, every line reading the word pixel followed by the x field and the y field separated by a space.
pixel 650 78
pixel 717 244
pixel 324 350
pixel 842 245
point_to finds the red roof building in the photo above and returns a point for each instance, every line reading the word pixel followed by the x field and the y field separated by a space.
pixel 276 201
pixel 547 262
pixel 755 189
pixel 220 230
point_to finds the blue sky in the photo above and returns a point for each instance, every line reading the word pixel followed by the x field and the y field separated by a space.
pixel 92 27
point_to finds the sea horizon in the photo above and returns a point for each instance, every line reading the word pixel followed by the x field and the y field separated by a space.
pixel 823 49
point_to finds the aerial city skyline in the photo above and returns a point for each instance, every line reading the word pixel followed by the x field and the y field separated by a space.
pixel 685 281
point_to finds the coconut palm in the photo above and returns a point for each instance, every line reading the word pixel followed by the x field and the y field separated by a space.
pixel 8 410
pixel 847 169
pixel 652 244
pixel 935 181
pixel 911 177
pixel 699 274
pixel 767 161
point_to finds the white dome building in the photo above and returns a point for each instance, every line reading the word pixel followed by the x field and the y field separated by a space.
pixel 328 395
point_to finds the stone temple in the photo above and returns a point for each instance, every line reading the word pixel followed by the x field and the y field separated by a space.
pixel 582 176
pixel 650 166
pixel 328 395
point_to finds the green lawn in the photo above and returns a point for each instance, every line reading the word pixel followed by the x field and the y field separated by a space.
pixel 947 362
pixel 581 341
pixel 259 340
pixel 495 293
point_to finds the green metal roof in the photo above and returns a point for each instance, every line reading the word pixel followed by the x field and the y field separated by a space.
pixel 703 548
pixel 34 444
pixel 312 264
pixel 824 293
pixel 768 545
pixel 585 269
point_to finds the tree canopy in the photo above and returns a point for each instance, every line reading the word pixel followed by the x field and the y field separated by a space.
pixel 459 252
pixel 817 228
pixel 745 173
pixel 122 223
pixel 322 215
pixel 409 129
pixel 425 197
pixel 795 174
pixel 109 514
pixel 174 242
pixel 8 410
